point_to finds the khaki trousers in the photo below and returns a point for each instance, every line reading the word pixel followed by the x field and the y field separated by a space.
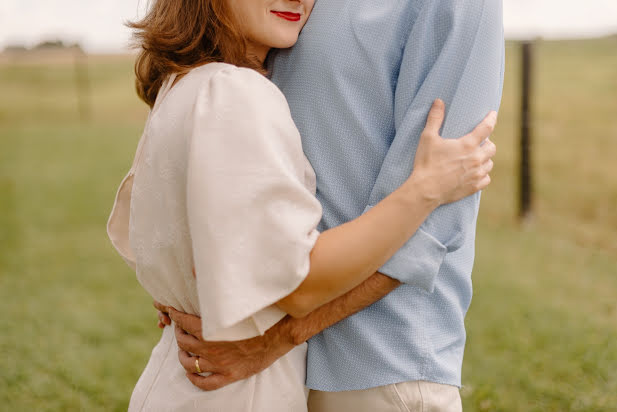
pixel 413 396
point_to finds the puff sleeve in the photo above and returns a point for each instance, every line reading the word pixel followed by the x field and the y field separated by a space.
pixel 251 215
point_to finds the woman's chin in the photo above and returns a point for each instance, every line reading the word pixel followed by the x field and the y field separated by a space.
pixel 285 42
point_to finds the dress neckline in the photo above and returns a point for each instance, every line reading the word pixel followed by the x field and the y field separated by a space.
pixel 165 89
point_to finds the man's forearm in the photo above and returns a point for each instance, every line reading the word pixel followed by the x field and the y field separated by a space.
pixel 370 291
pixel 235 360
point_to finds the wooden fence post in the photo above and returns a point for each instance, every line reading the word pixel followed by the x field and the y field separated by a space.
pixel 526 184
pixel 82 83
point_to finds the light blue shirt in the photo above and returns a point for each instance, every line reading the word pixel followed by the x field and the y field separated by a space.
pixel 360 83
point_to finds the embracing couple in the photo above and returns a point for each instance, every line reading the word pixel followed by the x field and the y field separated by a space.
pixel 326 192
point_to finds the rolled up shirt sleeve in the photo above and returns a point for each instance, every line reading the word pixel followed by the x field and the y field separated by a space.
pixel 455 51
pixel 252 218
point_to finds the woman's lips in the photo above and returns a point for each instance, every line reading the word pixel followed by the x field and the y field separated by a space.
pixel 287 15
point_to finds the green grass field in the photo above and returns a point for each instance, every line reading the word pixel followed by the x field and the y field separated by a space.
pixel 76 328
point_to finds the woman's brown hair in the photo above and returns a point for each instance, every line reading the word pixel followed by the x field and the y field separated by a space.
pixel 176 36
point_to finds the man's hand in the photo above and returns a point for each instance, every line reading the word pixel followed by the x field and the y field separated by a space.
pixel 163 314
pixel 227 362
pixel 164 319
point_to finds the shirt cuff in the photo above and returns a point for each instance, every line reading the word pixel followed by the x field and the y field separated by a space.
pixel 417 263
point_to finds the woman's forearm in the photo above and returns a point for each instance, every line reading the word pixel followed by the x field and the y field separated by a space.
pixel 444 171
pixel 347 255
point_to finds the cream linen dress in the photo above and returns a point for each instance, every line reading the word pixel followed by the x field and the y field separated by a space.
pixel 220 183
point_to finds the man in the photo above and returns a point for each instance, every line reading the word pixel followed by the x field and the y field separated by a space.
pixel 359 84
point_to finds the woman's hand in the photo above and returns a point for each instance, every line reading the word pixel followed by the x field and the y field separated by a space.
pixel 448 170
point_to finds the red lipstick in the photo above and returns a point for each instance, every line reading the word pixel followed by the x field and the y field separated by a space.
pixel 287 15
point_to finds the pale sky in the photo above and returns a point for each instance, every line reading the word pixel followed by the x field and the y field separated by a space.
pixel 98 25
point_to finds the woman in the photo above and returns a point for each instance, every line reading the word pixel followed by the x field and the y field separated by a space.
pixel 220 184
